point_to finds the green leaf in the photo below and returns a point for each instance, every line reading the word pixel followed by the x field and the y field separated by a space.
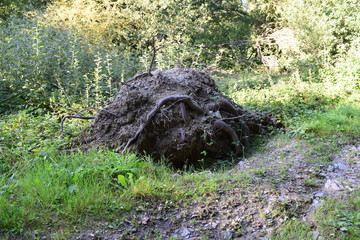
pixel 73 188
pixel 122 180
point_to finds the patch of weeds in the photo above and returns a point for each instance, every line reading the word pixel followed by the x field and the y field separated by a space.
pixel 260 172
pixel 67 187
pixel 339 217
pixel 310 182
pixel 292 229
pixel 200 183
pixel 321 151
pixel 343 119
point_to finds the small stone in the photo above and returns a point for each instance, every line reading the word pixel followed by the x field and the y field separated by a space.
pixel 316 203
pixel 268 212
pixel 185 232
pixel 319 194
pixel 333 186
pixel 330 168
pixel 341 166
pixel 316 235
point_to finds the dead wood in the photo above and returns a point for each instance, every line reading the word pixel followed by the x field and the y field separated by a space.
pixel 177 114
pixel 221 125
pixel 182 99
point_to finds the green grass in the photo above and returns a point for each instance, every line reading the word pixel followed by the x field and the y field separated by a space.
pixel 293 229
pixel 66 186
pixel 336 218
pixel 339 217
pixel 342 119
pixel 303 105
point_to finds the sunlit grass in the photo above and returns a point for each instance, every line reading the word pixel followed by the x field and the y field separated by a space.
pixel 343 119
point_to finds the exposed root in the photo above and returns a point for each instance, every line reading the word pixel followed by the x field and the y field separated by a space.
pixel 245 134
pixel 183 99
pixel 183 112
pixel 221 125
pixel 224 105
pixel 174 114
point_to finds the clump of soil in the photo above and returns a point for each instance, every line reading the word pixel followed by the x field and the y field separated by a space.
pixel 178 114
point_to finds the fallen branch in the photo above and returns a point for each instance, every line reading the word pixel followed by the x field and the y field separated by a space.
pixel 72 116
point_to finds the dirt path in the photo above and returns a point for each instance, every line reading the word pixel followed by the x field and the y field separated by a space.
pixel 287 179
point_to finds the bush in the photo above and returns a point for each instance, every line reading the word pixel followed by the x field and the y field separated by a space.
pixel 189 33
pixel 48 67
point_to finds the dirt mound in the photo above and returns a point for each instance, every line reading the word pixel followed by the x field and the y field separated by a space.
pixel 179 114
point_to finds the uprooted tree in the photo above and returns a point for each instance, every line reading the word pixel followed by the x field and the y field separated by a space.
pixel 178 114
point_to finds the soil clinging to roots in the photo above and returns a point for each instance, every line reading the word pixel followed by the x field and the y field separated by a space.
pixel 178 114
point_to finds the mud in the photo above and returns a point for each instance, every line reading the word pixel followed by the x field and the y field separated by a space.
pixel 178 114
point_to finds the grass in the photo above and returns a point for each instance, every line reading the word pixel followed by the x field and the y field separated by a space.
pixel 40 187
pixel 336 218
pixel 293 229
pixel 342 119
pixel 339 218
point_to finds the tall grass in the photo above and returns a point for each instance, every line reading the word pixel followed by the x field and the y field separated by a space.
pixel 51 67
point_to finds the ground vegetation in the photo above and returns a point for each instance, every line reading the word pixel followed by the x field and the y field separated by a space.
pixel 296 60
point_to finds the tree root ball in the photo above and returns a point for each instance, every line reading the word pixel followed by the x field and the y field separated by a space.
pixel 178 114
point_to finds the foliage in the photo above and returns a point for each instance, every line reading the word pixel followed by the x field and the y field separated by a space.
pixel 188 33
pixel 319 32
pixel 49 67
pixel 294 101
pixel 19 7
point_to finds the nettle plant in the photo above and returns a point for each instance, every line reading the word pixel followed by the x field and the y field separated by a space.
pixel 48 67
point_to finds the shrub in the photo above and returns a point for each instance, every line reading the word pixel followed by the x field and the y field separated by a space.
pixel 48 67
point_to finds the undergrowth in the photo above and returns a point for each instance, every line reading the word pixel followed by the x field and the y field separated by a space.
pixel 316 97
pixel 41 186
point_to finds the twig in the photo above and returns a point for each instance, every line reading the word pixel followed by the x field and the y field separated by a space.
pixel 152 45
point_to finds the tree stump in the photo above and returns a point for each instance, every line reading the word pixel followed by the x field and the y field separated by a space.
pixel 178 114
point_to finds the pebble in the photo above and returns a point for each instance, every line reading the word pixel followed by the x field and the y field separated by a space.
pixel 330 168
pixel 340 166
pixel 316 203
pixel 332 185
pixel 319 194
pixel 185 232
